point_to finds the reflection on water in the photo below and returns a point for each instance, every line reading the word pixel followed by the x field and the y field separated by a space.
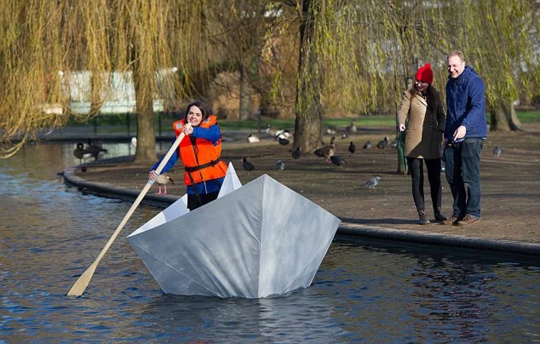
pixel 365 291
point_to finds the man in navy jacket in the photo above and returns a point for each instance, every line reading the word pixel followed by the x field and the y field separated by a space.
pixel 464 137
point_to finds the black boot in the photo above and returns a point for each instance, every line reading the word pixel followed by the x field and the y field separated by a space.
pixel 422 219
pixel 438 216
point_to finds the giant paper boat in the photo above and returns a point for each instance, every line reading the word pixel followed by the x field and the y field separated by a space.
pixel 257 240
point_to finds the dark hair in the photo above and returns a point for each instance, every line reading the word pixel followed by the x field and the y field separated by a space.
pixel 430 93
pixel 200 105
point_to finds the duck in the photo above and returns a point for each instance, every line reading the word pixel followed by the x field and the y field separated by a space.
pixel 94 149
pixel 352 127
pixel 81 153
pixel 280 165
pixel 162 180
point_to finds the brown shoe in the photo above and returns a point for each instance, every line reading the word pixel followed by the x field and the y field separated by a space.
pixel 451 221
pixel 468 220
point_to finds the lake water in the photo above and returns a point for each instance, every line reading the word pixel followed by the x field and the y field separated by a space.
pixel 365 290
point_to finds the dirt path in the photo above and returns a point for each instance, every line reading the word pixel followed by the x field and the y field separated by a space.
pixel 510 183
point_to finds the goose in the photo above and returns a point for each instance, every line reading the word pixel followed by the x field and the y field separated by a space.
pixel 352 128
pixel 253 138
pixel 283 140
pixel 283 133
pixel 162 180
pixel 81 153
pixel 94 149
pixel 329 150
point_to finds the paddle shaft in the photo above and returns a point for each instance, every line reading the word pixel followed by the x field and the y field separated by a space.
pixel 80 285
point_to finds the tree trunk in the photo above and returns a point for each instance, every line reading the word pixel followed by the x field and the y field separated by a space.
pixel 242 93
pixel 504 117
pixel 308 123
pixel 498 118
pixel 511 116
pixel 146 138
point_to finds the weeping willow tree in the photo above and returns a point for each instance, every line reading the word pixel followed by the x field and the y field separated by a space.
pixel 357 56
pixel 338 56
pixel 43 44
pixel 504 50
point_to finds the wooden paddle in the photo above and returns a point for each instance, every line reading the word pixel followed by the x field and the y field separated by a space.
pixel 80 286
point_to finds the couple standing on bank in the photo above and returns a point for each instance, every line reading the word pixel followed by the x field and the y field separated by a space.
pixel 421 115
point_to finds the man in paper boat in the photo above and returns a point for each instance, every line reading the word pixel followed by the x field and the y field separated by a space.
pixel 257 240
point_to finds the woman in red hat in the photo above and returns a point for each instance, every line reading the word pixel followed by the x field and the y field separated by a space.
pixel 421 116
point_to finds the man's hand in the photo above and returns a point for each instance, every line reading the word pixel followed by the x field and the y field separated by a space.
pixel 401 127
pixel 460 133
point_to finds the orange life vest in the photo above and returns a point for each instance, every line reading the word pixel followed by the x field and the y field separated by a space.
pixel 202 159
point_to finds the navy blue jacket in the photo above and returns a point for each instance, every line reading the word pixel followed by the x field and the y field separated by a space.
pixel 466 105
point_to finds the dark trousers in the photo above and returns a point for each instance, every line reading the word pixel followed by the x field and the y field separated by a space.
pixel 416 167
pixel 462 161
pixel 196 201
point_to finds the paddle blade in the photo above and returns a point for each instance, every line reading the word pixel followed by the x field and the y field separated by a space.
pixel 80 286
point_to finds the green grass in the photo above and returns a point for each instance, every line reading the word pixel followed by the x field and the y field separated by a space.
pixel 365 121
pixel 253 124
pixel 529 116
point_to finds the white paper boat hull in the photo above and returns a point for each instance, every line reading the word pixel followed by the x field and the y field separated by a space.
pixel 260 240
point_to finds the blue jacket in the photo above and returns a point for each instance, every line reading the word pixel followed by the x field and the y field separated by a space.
pixel 466 105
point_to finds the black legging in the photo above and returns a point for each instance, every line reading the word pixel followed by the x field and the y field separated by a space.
pixel 416 167
pixel 196 201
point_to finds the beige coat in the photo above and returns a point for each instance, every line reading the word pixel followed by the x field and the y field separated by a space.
pixel 424 124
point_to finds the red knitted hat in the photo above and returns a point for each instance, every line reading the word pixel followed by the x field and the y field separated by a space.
pixel 425 74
